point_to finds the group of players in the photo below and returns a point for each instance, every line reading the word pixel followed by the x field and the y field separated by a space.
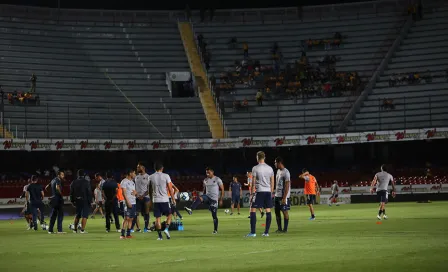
pixel 140 192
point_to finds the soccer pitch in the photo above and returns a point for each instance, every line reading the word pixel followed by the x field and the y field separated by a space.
pixel 344 238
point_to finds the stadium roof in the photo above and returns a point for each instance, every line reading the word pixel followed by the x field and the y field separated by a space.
pixel 168 5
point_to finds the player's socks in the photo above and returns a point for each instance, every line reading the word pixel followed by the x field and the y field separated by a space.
pixel 253 222
pixel 285 222
pixel 279 223
pixel 159 232
pixel 146 217
pixel 384 211
pixel 128 232
pixel 268 222
pixel 379 212
pixel 123 232
pixel 196 203
pixel 134 221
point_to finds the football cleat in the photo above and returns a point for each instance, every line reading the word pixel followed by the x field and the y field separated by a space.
pixel 188 210
pixel 265 235
pixel 251 235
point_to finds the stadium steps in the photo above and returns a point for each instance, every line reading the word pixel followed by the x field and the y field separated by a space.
pixel 8 135
pixel 205 95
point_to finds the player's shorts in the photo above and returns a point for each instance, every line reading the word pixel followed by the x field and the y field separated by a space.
pixel 262 200
pixel 310 199
pixel 99 204
pixel 335 195
pixel 236 199
pixel 212 204
pixel 130 212
pixel 141 204
pixel 280 206
pixel 161 208
pixel 382 195
pixel 82 209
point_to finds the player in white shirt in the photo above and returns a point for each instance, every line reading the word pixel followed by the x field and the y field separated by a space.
pixel 129 193
pixel 98 194
pixel 382 179
pixel 282 194
pixel 263 183
pixel 334 194
pixel 143 199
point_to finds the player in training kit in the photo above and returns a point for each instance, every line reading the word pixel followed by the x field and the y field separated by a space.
pixel 129 194
pixel 27 208
pixel 382 179
pixel 57 202
pixel 174 210
pixel 236 191
pixel 110 190
pixel 34 197
pixel 334 193
pixel 81 198
pixel 282 194
pixel 98 200
pixel 211 196
pixel 263 183
pixel 311 190
pixel 142 187
pixel 249 185
pixel 161 190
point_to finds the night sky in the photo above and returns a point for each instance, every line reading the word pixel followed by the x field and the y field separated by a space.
pixel 172 5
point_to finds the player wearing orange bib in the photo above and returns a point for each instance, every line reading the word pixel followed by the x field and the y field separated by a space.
pixel 249 184
pixel 311 190
pixel 120 199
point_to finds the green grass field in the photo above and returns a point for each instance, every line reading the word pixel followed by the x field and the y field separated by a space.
pixel 344 238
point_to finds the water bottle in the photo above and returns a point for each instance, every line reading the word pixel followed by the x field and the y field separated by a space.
pixel 181 226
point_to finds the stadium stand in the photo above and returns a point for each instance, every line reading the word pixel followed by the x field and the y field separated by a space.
pixel 73 59
pixel 364 46
pixel 412 91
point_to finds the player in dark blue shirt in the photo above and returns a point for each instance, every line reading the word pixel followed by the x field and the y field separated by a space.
pixel 81 198
pixel 110 189
pixel 235 190
pixel 57 202
pixel 34 196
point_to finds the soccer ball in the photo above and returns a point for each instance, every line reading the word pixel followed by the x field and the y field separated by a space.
pixel 184 196
pixel 44 226
pixel 226 211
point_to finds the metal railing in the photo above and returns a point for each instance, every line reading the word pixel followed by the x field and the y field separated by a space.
pixel 112 121
pixel 402 115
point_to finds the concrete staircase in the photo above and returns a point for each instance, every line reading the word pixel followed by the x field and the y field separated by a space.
pixel 205 95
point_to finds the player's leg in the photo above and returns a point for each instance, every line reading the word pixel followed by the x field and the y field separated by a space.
pixel 261 212
pixel 145 213
pixel 158 228
pixel 232 206
pixel 115 210
pixel 60 217
pixel 100 206
pixel 253 215
pixel 285 208
pixel 214 210
pixel 34 216
pixel 108 209
pixel 239 206
pixel 330 201
pixel 195 204
pixel 278 217
pixel 382 199
pixel 53 217
pixel 92 216
pixel 167 211
pixel 267 207
pixel 310 202
pixel 41 213
pixel 84 214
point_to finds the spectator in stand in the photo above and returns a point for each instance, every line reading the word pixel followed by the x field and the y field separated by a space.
pixel 392 80
pixel 33 83
pixel 246 50
pixel 259 98
pixel 233 43
pixel 245 103
pixel 236 105
pixel 388 104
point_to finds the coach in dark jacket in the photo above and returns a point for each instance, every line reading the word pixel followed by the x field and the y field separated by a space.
pixel 81 198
